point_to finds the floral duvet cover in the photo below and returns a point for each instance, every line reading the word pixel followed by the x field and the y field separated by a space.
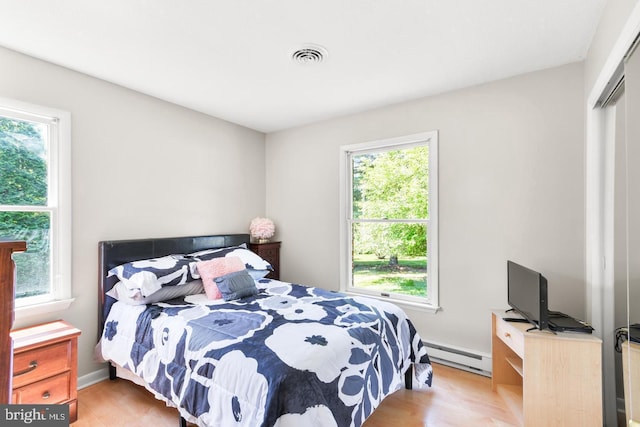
pixel 290 356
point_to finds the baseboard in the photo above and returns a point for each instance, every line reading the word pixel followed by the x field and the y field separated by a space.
pixel 92 378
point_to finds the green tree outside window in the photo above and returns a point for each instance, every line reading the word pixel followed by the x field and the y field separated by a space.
pixel 23 190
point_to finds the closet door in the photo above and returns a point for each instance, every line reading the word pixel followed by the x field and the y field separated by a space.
pixel 631 357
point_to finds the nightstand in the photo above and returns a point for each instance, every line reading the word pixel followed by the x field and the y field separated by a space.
pixel 45 365
pixel 271 252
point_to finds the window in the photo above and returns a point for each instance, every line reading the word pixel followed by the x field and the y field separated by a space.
pixel 35 202
pixel 389 228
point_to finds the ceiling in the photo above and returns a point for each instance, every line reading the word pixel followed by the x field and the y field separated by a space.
pixel 232 59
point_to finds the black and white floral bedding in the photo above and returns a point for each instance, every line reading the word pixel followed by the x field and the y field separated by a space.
pixel 289 356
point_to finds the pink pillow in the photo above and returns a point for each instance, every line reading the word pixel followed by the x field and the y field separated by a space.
pixel 214 268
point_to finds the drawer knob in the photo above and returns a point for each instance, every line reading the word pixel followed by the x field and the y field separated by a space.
pixel 46 395
pixel 33 365
pixel 507 335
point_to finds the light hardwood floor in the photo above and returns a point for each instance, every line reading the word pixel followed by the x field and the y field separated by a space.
pixel 457 398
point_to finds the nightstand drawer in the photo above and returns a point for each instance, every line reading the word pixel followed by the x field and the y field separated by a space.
pixel 511 336
pixel 38 363
pixel 51 390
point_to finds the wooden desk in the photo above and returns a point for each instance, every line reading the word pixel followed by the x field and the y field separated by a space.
pixel 547 379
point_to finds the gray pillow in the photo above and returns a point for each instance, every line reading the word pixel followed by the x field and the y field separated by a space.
pixel 236 285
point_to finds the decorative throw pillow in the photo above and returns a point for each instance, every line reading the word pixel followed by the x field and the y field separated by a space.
pixel 214 268
pixel 236 285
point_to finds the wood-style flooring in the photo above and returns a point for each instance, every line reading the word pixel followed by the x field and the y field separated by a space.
pixel 457 398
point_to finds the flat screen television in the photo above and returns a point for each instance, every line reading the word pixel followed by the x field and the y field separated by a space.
pixel 527 294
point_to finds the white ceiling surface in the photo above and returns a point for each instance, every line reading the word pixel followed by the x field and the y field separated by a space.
pixel 231 59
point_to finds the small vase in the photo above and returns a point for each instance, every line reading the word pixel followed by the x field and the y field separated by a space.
pixel 263 240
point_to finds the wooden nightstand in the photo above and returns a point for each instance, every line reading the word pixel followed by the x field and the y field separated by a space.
pixel 270 252
pixel 45 365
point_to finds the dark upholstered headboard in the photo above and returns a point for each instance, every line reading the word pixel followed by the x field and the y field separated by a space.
pixel 115 252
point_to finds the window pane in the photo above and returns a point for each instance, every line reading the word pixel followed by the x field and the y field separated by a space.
pixel 391 184
pixel 23 163
pixel 32 266
pixel 390 257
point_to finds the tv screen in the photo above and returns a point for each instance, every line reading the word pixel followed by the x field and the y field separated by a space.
pixel 527 294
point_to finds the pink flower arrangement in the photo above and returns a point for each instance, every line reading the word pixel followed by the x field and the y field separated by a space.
pixel 262 228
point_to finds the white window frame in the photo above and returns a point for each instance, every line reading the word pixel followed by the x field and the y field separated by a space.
pixel 59 205
pixel 431 301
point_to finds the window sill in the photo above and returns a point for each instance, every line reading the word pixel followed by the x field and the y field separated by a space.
pixel 28 311
pixel 427 308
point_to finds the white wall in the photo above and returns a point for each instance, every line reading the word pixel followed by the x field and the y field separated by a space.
pixel 141 168
pixel 511 187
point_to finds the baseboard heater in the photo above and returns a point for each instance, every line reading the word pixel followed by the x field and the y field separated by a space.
pixel 478 363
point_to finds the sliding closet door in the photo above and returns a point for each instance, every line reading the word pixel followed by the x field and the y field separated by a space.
pixel 620 240
pixel 632 98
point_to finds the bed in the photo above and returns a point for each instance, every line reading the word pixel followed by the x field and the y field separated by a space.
pixel 282 355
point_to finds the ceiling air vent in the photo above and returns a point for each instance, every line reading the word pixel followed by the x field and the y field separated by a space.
pixel 309 54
